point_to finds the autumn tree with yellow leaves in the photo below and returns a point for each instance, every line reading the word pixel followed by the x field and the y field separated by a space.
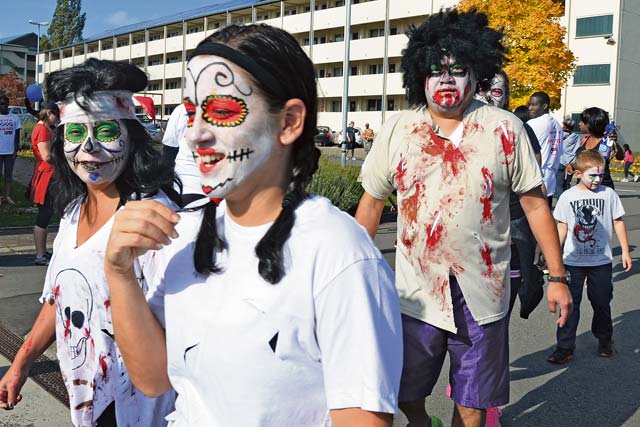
pixel 538 58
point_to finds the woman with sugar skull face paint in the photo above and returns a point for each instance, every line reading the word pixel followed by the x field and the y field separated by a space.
pixel 254 295
pixel 103 158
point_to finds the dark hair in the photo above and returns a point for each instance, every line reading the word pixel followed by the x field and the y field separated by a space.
pixel 463 35
pixel 596 120
pixel 46 108
pixel 627 148
pixel 522 112
pixel 4 98
pixel 145 172
pixel 279 54
pixel 543 98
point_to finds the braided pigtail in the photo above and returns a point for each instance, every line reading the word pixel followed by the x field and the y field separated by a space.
pixel 208 243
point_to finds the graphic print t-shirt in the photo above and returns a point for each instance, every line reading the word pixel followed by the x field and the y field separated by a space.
pixel 9 125
pixel 589 217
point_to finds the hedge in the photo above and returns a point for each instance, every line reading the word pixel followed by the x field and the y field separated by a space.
pixel 338 184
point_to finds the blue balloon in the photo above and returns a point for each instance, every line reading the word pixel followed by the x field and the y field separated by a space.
pixel 34 93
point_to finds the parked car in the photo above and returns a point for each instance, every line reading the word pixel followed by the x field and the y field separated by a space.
pixel 324 136
pixel 22 113
pixel 153 130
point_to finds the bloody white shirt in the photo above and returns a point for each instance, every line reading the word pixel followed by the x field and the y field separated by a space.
pixel 90 361
pixel 453 204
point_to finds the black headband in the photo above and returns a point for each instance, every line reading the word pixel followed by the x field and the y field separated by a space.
pixel 240 59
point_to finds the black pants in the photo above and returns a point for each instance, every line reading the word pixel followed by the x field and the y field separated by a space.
pixel 108 417
pixel 530 287
pixel 600 294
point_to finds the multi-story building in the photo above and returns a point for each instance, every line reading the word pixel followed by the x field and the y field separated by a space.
pixel 18 53
pixel 596 29
pixel 603 35
pixel 377 39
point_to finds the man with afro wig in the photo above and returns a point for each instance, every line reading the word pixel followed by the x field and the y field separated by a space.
pixel 453 161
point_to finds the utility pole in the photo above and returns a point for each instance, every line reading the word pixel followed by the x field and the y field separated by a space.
pixel 345 75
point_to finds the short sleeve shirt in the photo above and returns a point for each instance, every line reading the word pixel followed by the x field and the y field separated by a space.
pixel 549 133
pixel 245 352
pixel 9 125
pixel 91 364
pixel 453 204
pixel 589 217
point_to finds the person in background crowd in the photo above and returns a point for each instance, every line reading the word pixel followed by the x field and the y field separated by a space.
pixel 628 162
pixel 255 298
pixel 587 214
pixel 453 161
pixel 593 123
pixel 9 143
pixel 351 140
pixel 41 138
pixel 570 145
pixel 368 136
pixel 549 134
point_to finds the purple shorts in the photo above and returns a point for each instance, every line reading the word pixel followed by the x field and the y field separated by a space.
pixel 479 355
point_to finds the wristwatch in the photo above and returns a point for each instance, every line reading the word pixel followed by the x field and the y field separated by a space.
pixel 561 279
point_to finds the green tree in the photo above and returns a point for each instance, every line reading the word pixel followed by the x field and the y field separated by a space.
pixel 67 24
pixel 538 58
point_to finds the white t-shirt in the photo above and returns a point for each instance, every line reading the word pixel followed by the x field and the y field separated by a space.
pixel 90 361
pixel 549 133
pixel 9 125
pixel 185 167
pixel 244 352
pixel 589 217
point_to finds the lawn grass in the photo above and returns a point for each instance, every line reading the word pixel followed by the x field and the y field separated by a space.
pixel 22 213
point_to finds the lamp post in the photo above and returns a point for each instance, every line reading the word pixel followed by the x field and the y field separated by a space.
pixel 39 24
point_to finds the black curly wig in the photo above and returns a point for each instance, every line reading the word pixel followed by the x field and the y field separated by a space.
pixel 463 35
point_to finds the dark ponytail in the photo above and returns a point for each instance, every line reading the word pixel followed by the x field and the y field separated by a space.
pixel 277 52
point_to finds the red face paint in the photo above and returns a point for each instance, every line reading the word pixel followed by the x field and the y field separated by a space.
pixel 191 111
pixel 224 110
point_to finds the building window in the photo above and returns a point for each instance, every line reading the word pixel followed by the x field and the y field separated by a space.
pixel 153 37
pixel 355 36
pixel 167 110
pixel 393 31
pixel 354 71
pixel 592 74
pixel 391 104
pixel 138 40
pixel 173 33
pixel 594 26
pixel 193 30
pixel 375 69
pixel 289 12
pixel 339 37
pixel 306 42
pixel 171 85
pixel 337 72
pixel 173 59
pixel 352 105
pixel 154 86
pixel 336 106
pixel 374 104
pixel 123 43
pixel 155 62
pixel 339 3
pixel 321 73
pixel 376 32
pixel 307 8
pixel 392 68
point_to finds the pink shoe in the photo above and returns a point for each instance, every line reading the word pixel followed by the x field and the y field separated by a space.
pixel 493 417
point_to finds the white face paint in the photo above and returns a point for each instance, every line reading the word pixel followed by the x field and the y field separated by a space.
pixel 592 177
pixel 96 152
pixel 449 85
pixel 231 132
pixel 497 95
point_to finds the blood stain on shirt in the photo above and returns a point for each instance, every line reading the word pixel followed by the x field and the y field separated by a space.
pixel 507 138
pixel 485 251
pixel 488 189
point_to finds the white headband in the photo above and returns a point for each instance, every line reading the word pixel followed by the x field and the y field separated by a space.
pixel 104 105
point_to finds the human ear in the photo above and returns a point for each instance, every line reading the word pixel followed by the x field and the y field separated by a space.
pixel 292 119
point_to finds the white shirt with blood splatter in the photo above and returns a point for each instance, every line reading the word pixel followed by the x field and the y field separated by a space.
pixel 549 133
pixel 90 361
pixel 453 202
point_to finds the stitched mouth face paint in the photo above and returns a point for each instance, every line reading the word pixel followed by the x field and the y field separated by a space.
pixel 448 84
pixel 592 177
pixel 96 152
pixel 231 132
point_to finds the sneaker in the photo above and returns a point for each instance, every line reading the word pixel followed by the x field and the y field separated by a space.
pixel 605 348
pixel 624 180
pixel 560 356
pixel 635 178
pixel 353 158
pixel 41 260
pixel 9 200
pixel 435 422
pixel 493 417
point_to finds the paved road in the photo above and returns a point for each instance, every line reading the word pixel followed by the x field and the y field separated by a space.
pixel 587 392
